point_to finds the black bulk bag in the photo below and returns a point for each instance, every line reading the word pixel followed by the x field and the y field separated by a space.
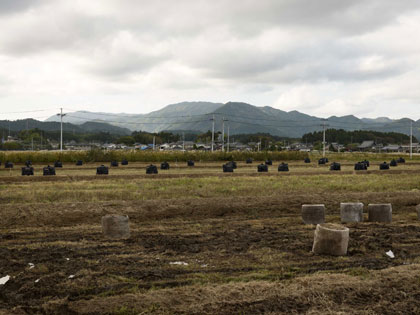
pixel 335 166
pixel 27 171
pixel 151 169
pixel 283 167
pixel 384 166
pixel 164 166
pixel 262 168
pixel 48 171
pixel 102 170
pixel 227 168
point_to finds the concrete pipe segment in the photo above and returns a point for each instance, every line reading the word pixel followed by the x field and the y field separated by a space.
pixel 331 239
pixel 115 226
pixel 380 212
pixel 351 212
pixel 313 214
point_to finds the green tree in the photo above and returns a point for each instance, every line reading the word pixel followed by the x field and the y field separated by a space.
pixel 11 146
pixel 127 140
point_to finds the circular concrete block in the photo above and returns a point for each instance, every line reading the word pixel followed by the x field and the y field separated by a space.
pixel 418 211
pixel 331 239
pixel 115 226
pixel 381 212
pixel 351 212
pixel 313 214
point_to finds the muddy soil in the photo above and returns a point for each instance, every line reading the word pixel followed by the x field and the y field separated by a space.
pixel 215 242
pixel 218 255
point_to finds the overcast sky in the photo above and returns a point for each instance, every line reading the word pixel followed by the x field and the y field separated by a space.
pixel 324 57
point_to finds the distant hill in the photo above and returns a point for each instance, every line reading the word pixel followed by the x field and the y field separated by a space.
pixel 85 127
pixel 169 118
pixel 242 118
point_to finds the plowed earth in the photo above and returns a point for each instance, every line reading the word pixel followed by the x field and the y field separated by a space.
pixel 241 254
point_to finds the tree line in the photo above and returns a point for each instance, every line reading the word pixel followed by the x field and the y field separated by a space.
pixel 357 136
pixel 42 139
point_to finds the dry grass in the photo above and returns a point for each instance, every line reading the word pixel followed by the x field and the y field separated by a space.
pixel 384 292
pixel 242 237
pixel 202 187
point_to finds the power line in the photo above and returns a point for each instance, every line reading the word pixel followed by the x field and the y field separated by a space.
pixel 331 120
pixel 61 127
pixel 361 123
pixel 334 123
pixel 323 137
pixel 135 123
pixel 196 115
pixel 30 111
pixel 278 126
pixel 143 115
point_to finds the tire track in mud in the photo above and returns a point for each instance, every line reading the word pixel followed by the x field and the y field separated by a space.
pixel 232 249
pixel 281 206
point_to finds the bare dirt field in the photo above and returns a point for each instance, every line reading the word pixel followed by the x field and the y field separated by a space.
pixel 204 242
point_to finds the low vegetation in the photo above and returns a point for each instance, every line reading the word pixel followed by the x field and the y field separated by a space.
pixel 144 156
pixel 357 136
pixel 205 244
pixel 98 155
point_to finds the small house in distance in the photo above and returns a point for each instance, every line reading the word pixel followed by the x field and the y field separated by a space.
pixel 392 148
pixel 368 145
pixel 415 147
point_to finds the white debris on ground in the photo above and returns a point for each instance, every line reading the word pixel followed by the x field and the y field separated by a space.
pixel 71 276
pixel 67 259
pixel 4 280
pixel 31 265
pixel 179 263
pixel 37 280
pixel 204 266
pixel 390 254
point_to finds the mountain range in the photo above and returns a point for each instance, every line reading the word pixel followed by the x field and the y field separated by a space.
pixel 85 127
pixel 240 118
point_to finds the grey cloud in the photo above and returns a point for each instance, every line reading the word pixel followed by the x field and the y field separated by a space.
pixel 166 20
pixel 350 16
pixel 315 61
pixel 19 6
pixel 123 65
pixel 70 32
pixel 219 40
pixel 249 18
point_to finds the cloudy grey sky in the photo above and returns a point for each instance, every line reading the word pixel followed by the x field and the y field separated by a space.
pixel 323 57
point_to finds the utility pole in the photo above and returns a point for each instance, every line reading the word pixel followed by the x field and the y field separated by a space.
pixel 212 135
pixel 228 144
pixel 41 140
pixel 323 137
pixel 32 143
pixel 223 134
pixel 183 141
pixel 411 140
pixel 154 142
pixel 61 131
